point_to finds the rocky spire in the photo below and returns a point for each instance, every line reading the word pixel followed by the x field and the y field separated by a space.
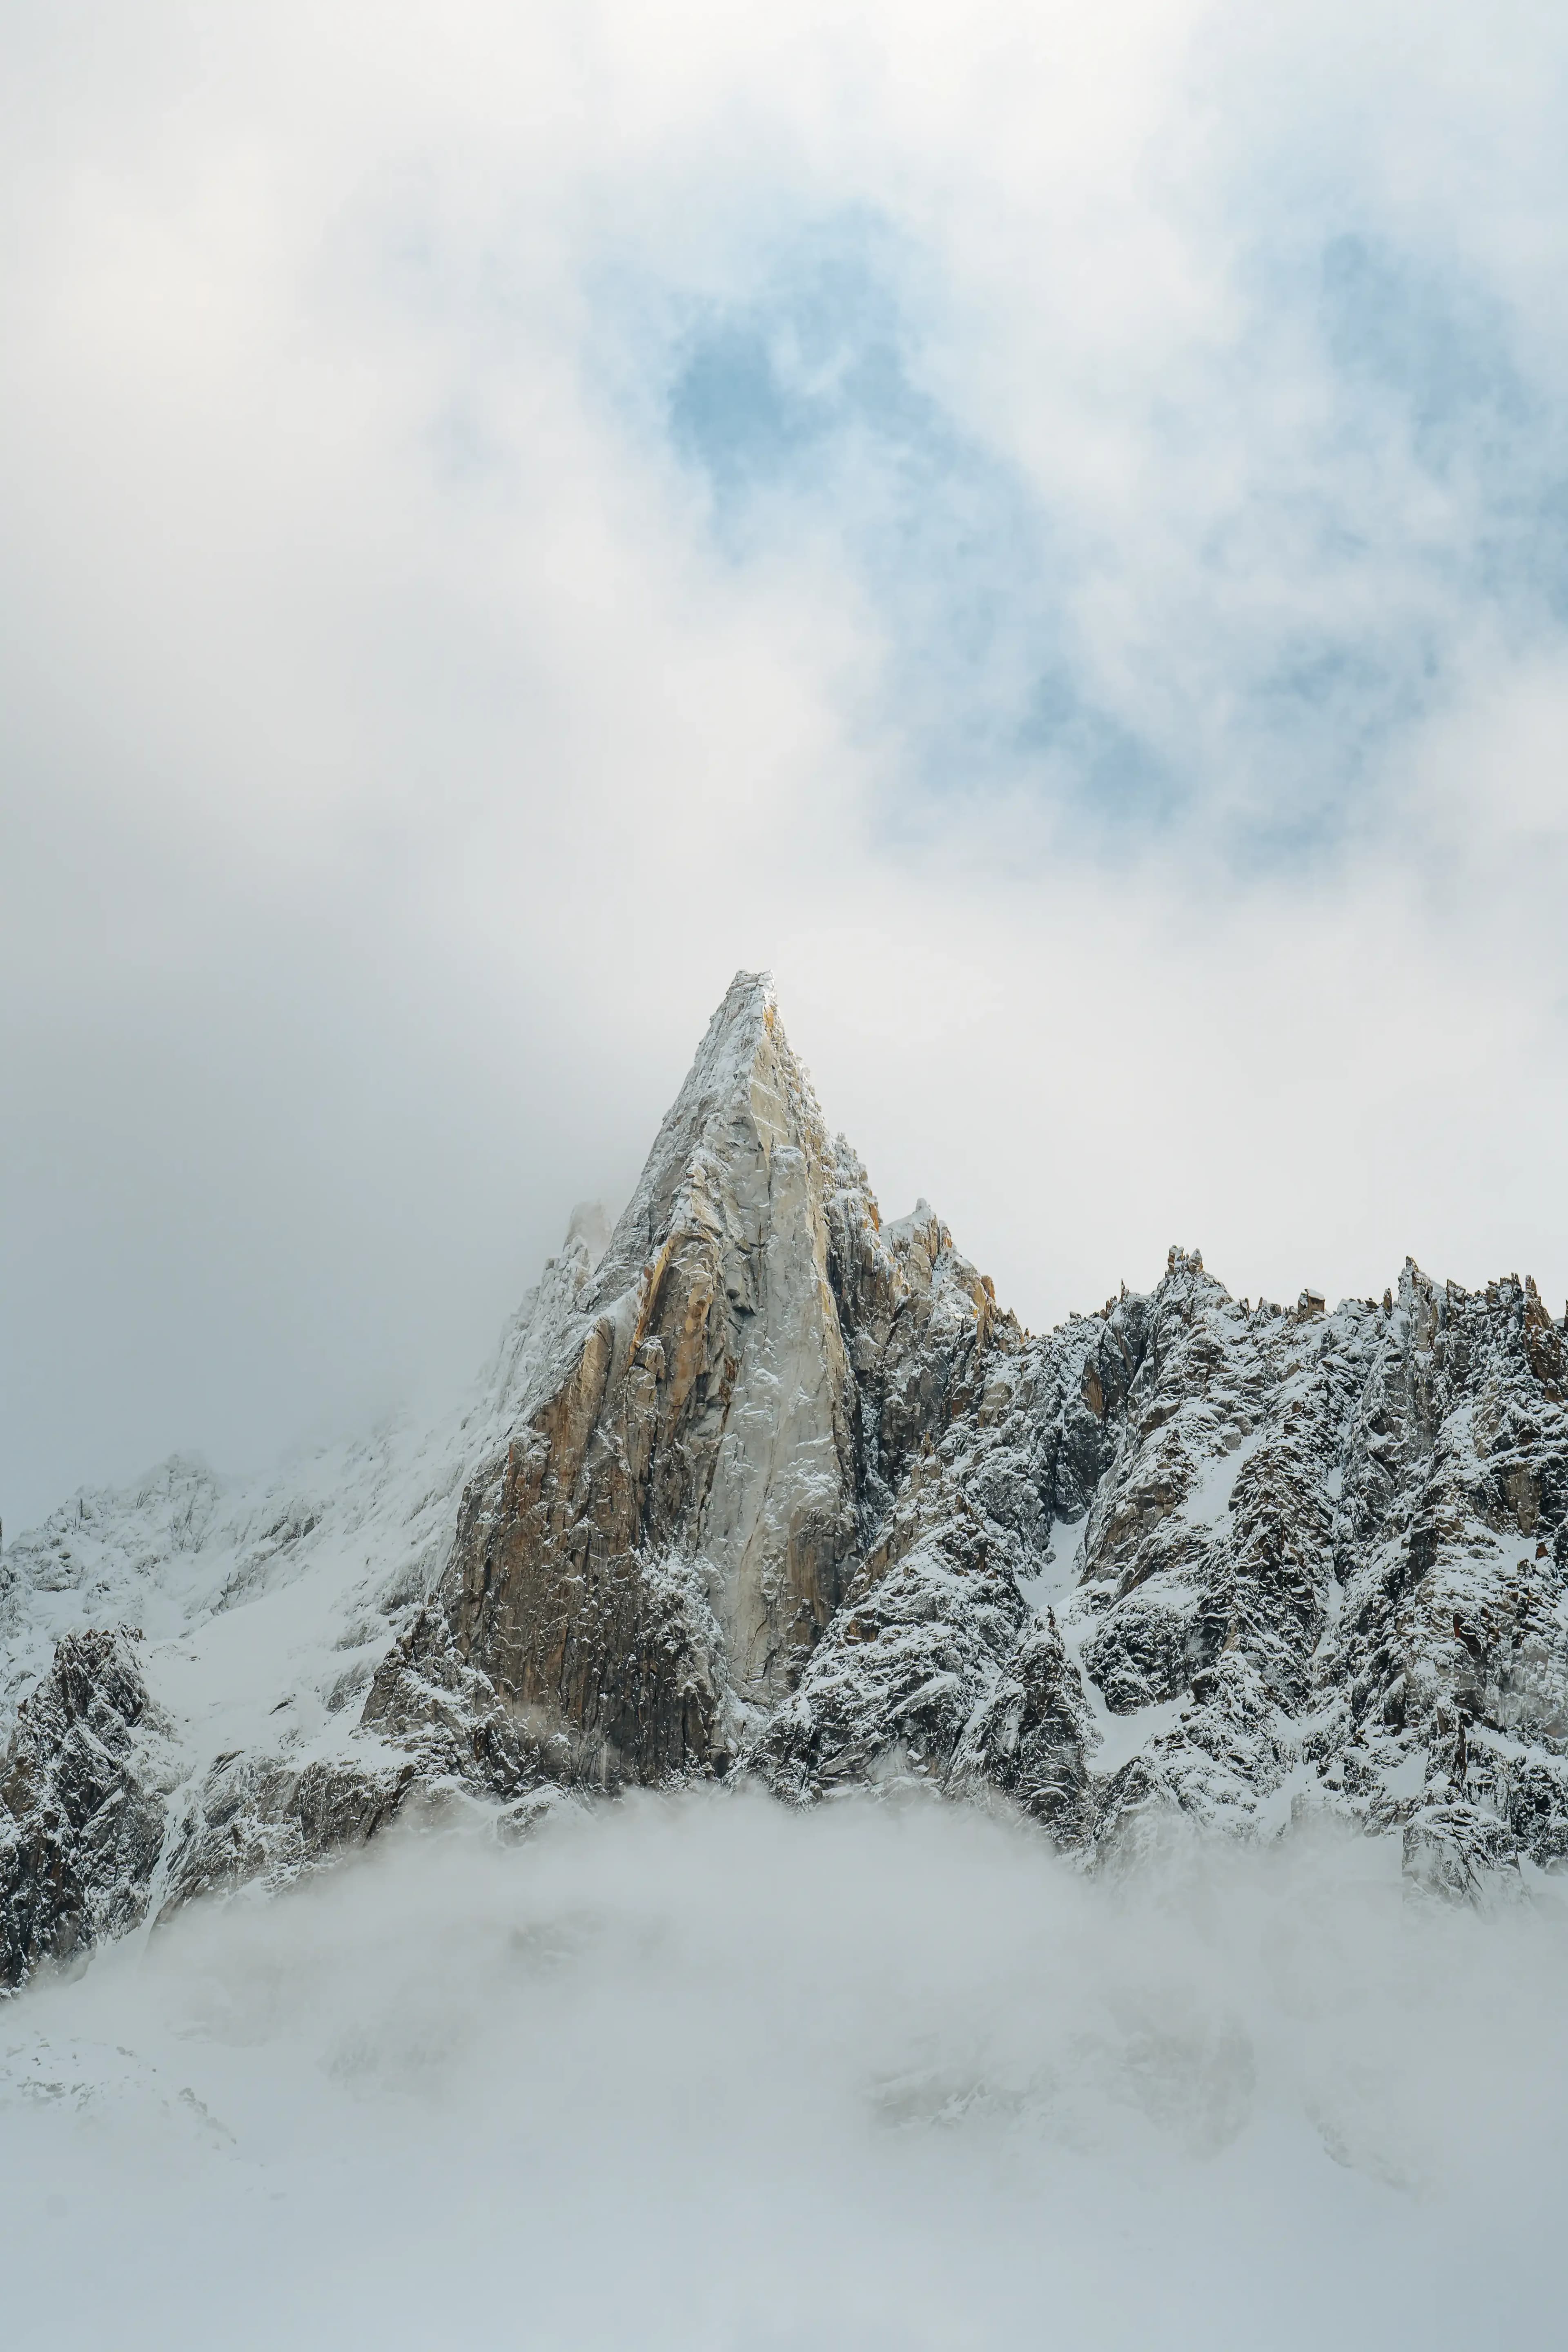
pixel 672 1523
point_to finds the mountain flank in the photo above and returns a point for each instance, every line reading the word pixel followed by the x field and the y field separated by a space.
pixel 760 1487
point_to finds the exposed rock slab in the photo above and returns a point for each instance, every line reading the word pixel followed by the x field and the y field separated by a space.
pixel 81 1812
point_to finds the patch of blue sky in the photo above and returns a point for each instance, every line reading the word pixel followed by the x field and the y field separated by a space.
pixel 1436 345
pixel 1316 723
pixel 1427 354
pixel 804 401
pixel 761 388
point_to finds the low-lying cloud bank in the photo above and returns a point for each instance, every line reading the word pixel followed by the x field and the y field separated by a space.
pixel 709 2074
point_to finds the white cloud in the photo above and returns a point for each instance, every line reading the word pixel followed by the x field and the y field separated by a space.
pixel 399 765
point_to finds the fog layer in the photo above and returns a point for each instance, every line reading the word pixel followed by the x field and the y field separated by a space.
pixel 709 2074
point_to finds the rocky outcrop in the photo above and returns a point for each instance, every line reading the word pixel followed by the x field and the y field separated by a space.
pixel 642 1575
pixel 670 1527
pixel 82 1813
pixel 759 1485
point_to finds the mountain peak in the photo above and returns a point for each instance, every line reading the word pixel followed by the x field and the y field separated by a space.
pixel 743 1084
pixel 771 1484
pixel 745 1025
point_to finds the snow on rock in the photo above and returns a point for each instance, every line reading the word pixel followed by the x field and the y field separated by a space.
pixel 82 1791
pixel 246 1620
pixel 757 1485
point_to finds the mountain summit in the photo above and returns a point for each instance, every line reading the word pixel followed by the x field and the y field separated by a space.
pixel 763 1487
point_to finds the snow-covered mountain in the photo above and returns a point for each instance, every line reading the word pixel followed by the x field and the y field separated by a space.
pixel 759 1486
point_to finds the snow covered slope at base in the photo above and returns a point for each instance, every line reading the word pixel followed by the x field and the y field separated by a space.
pixel 712 2073
pixel 226 1722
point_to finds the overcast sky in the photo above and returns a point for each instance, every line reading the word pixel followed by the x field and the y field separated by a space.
pixel 1045 526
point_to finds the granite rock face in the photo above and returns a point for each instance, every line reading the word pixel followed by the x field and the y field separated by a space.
pixel 81 1812
pixel 669 1527
pixel 759 1486
pixel 643 1574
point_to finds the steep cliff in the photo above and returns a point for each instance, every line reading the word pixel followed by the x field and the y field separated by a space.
pixel 759 1485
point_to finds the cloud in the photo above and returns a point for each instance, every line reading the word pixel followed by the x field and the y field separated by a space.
pixel 510 516
pixel 709 2072
pixel 1323 582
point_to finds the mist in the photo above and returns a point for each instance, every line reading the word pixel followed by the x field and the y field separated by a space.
pixel 703 2071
